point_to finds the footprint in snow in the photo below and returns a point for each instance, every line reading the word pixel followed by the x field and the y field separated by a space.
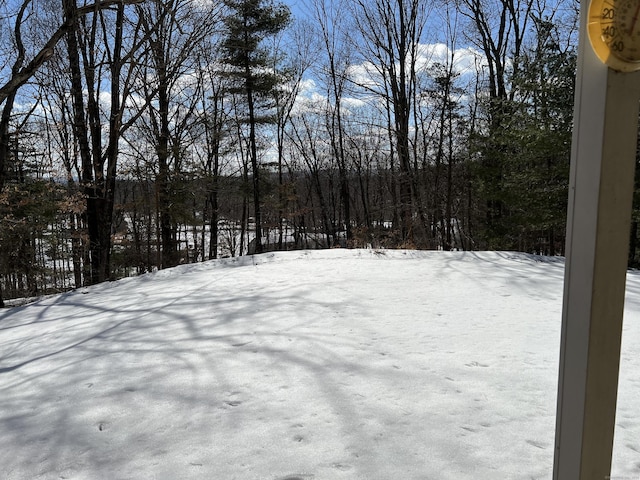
pixel 476 364
pixel 102 426
pixel 536 444
pixel 632 447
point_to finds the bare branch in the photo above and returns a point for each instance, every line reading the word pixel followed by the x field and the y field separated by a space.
pixel 22 76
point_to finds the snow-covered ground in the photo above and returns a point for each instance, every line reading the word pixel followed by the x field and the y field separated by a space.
pixel 323 365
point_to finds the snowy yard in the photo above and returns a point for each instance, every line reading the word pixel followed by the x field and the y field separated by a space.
pixel 322 365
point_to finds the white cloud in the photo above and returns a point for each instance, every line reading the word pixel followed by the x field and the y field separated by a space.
pixel 307 86
pixel 465 60
pixel 365 78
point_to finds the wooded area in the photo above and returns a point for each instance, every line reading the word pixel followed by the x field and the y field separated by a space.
pixel 138 135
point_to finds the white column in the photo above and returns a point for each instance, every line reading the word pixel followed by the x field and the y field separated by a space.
pixel 600 202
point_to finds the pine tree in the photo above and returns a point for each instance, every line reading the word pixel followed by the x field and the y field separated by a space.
pixel 248 23
pixel 536 177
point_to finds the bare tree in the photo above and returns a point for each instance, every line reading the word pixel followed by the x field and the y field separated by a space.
pixel 291 69
pixel 25 64
pixel 173 29
pixel 99 47
pixel 22 72
pixel 307 137
pixel 334 38
pixel 54 87
pixel 391 31
pixel 446 95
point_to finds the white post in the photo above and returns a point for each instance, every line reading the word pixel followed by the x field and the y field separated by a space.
pixel 599 215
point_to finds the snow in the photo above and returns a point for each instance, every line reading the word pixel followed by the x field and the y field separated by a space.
pixel 333 364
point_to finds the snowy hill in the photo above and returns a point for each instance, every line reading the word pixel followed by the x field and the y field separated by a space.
pixel 323 365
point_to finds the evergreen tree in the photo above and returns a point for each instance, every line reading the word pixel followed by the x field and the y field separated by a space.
pixel 536 176
pixel 27 209
pixel 248 23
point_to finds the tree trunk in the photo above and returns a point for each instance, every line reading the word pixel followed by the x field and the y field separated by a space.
pixel 163 181
pixel 253 152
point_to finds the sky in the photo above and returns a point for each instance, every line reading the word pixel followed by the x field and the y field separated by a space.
pixel 323 365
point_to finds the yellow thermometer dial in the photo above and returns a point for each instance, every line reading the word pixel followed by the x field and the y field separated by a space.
pixel 614 32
